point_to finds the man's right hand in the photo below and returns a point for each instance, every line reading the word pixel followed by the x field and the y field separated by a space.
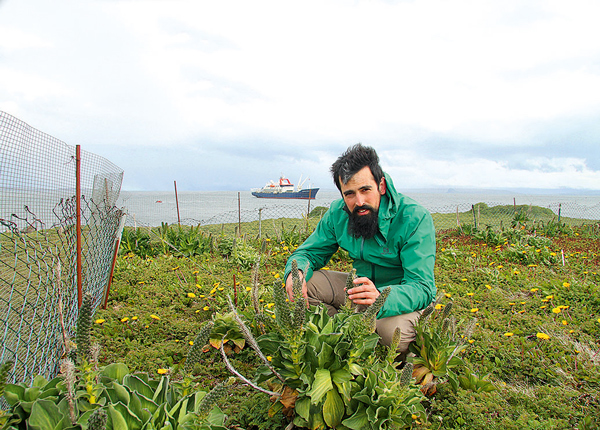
pixel 289 284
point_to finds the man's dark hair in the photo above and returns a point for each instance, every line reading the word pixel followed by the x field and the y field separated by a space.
pixel 350 162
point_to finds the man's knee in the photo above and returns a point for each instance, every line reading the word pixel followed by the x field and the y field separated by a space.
pixel 406 323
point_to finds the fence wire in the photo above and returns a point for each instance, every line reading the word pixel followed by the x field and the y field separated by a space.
pixel 38 243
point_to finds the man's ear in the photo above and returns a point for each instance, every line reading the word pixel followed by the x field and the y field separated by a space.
pixel 382 186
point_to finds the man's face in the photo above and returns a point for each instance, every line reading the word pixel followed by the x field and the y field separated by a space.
pixel 362 196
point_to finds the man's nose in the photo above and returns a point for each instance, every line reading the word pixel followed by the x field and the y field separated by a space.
pixel 360 200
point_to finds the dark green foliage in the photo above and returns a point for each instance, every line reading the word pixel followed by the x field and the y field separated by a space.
pixel 195 352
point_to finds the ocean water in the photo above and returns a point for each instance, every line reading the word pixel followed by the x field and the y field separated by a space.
pixel 207 207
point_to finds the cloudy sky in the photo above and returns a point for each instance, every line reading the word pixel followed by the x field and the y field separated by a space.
pixel 225 95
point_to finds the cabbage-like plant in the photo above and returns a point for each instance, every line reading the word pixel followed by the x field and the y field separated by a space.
pixel 324 372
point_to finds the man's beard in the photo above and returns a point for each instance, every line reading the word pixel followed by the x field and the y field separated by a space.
pixel 365 226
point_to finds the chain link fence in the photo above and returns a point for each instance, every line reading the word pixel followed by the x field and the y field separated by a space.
pixel 42 226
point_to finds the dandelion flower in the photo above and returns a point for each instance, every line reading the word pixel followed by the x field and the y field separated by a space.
pixel 556 310
pixel 448 295
pixel 175 268
pixel 162 371
pixel 124 319
pixel 474 310
pixel 566 284
pixel 222 288
pixel 99 321
pixel 155 317
pixel 470 294
pixel 248 288
pixel 440 306
pixel 464 279
pixel 134 318
pixel 489 287
pixel 509 334
pixel 191 295
pixel 542 336
pixel 500 266
pixel 414 417
pixel 195 272
pixel 198 286
pixel 214 290
pixel 550 297
pixel 276 275
pixel 564 322
pixel 205 308
pixel 533 290
pixel 543 307
pixel 191 342
pixel 269 358
pixel 471 341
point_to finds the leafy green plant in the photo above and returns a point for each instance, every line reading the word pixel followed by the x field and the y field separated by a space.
pixel 189 241
pixel 324 371
pixel 137 241
pixel 437 345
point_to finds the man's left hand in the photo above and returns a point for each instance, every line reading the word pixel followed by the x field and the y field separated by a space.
pixel 363 292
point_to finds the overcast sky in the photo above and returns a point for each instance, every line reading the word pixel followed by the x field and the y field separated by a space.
pixel 226 95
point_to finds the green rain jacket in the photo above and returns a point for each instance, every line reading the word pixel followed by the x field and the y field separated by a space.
pixel 401 255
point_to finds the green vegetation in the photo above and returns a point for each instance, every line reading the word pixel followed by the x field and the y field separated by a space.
pixel 512 342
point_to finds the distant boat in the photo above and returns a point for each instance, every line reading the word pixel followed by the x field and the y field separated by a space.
pixel 284 190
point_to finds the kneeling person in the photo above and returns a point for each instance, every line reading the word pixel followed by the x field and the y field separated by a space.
pixel 390 238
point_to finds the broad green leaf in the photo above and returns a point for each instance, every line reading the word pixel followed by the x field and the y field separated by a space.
pixel 14 393
pixel 131 420
pixel 359 420
pixel 120 392
pixel 333 409
pixel 355 369
pixel 115 371
pixel 160 393
pixel 136 384
pixel 302 407
pixel 216 417
pixel 39 381
pixel 321 385
pixel 45 415
pixel 115 421
pixel 325 355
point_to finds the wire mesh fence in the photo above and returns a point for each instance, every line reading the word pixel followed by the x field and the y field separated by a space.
pixel 51 242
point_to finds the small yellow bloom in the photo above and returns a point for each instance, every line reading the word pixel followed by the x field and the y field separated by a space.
pixel 269 358
pixel 500 266
pixel 542 336
pixel 222 288
pixel 440 306
pixel 464 279
pixel 448 295
pixel 162 371
pixel 270 305
pixel 155 317
pixel 195 272
pixel 214 290
pixel 175 268
pixel 414 417
pixel 191 342
pixel 124 319
pixel 134 318
pixel 276 275
pixel 509 334
pixel 556 310
pixel 471 341
pixel 550 297
pixel 474 310
pixel 198 286
pixel 205 308
pixel 141 282
pixel 248 288
pixel 571 331
pixel 489 287
pixel 470 294
pixel 566 284
pixel 564 322
pixel 191 295
pixel 443 249
pixel 512 303
pixel 533 290
pixel 99 321
pixel 553 254
pixel 543 307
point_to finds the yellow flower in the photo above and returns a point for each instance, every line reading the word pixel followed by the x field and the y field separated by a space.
pixel 448 295
pixel 198 286
pixel 222 288
pixel 471 341
pixel 270 305
pixel 248 288
pixel 155 317
pixel 276 275
pixel 162 371
pixel 533 290
pixel 500 266
pixel 202 296
pixel 543 307
pixel 99 321
pixel 134 318
pixel 205 308
pixel 542 336
pixel 550 297
pixel 509 334
pixel 191 295
pixel 564 322
pixel 440 306
pixel 175 268
pixel 512 303
pixel 195 272
pixel 553 254
pixel 214 290
pixel 470 294
pixel 413 416
pixel 556 310
pixel 124 319
pixel 566 284
pixel 489 287
pixel 474 310
pixel 141 282
pixel 464 279
pixel 191 342
pixel 443 249
pixel 532 265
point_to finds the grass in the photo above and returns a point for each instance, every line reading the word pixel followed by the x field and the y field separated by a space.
pixel 536 338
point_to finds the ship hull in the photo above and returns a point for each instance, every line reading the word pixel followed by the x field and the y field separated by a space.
pixel 302 194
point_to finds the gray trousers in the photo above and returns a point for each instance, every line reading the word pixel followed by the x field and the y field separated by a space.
pixel 327 287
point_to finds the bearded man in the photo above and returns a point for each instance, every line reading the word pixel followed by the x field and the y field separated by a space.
pixel 390 237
